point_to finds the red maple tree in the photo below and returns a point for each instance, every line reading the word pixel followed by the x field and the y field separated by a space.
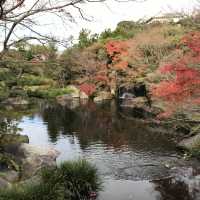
pixel 184 84
pixel 117 51
pixel 87 88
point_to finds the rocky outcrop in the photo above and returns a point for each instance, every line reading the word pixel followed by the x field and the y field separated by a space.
pixel 134 100
pixel 191 143
pixel 15 101
pixel 102 96
pixel 20 160
pixel 12 139
pixel 35 158
pixel 74 96
pixel 135 90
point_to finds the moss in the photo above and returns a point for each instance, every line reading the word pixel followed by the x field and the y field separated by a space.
pixel 72 180
pixel 3 94
pixel 31 80
pixel 42 92
pixel 7 139
pixel 5 74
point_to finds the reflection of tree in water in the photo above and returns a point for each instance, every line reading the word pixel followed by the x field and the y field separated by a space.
pixel 171 189
pixel 100 123
pixel 58 119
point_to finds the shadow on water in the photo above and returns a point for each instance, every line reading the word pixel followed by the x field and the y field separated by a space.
pixel 130 155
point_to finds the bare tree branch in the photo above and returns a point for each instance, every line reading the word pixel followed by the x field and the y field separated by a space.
pixel 16 14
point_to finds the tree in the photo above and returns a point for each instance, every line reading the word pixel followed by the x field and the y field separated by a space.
pixel 21 14
pixel 183 83
pixel 86 39
pixel 15 14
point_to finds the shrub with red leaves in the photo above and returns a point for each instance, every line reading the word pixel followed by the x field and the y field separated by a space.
pixel 117 51
pixel 101 78
pixel 192 40
pixel 184 84
pixel 87 88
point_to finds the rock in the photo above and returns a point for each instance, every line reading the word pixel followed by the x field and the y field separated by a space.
pixel 139 102
pixel 192 143
pixel 36 158
pixel 4 183
pixel 74 91
pixel 190 177
pixel 135 90
pixel 17 91
pixel 10 139
pixel 102 96
pixel 63 98
pixel 10 176
pixel 15 101
pixel 83 95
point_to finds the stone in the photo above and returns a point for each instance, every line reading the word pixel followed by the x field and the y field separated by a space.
pixel 102 96
pixel 191 143
pixel 138 102
pixel 8 139
pixel 83 95
pixel 15 101
pixel 74 91
pixel 10 176
pixel 35 158
pixel 75 94
pixel 132 91
pixel 4 183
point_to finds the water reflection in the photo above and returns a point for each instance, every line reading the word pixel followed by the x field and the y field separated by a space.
pixel 127 153
pixel 93 123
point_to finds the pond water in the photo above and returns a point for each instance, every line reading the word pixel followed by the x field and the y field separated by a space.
pixel 130 155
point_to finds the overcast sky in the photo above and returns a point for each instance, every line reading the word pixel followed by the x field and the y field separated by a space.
pixel 108 14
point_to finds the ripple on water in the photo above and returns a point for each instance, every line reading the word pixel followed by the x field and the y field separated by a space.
pixel 127 154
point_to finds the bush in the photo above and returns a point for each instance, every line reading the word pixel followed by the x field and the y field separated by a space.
pixel 46 92
pixel 72 180
pixel 153 54
pixel 30 80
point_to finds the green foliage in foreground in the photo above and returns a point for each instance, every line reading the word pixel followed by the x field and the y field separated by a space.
pixel 70 181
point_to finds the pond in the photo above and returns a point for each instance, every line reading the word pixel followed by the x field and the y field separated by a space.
pixel 132 157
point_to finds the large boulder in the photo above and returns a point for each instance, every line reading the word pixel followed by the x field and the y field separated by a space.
pixel 102 96
pixel 130 91
pixel 74 91
pixel 74 95
pixel 35 158
pixel 15 101
pixel 191 143
pixel 25 163
pixel 4 183
pixel 10 176
pixel 11 139
pixel 137 102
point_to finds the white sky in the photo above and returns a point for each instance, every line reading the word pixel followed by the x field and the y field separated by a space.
pixel 108 14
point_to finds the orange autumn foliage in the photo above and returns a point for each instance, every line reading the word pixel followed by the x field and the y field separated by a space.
pixel 117 51
pixel 184 84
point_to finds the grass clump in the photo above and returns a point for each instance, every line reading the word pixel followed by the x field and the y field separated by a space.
pixel 72 180
pixel 153 54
